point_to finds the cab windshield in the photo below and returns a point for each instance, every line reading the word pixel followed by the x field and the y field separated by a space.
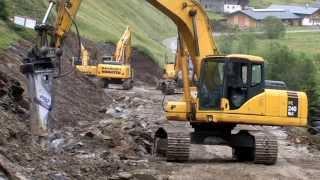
pixel 211 84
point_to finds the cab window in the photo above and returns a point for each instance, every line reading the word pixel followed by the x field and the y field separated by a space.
pixel 256 74
pixel 244 73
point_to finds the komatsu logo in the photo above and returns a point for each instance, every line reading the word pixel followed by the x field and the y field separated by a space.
pixel 111 70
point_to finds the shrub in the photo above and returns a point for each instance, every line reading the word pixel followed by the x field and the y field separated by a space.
pixel 273 28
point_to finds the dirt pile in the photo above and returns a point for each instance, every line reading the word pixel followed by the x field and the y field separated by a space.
pixel 92 135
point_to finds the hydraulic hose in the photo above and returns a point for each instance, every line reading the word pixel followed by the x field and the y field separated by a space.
pixel 79 46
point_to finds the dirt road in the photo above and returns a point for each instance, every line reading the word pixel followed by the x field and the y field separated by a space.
pixel 214 162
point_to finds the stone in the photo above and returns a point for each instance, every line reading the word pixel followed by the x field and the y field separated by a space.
pixel 125 175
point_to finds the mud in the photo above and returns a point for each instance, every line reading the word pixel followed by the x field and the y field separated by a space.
pixel 107 133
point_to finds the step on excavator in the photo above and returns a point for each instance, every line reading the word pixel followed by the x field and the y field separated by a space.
pixel 117 69
pixel 231 91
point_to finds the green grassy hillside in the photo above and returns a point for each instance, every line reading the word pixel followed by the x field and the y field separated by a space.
pixel 106 21
pixel 103 21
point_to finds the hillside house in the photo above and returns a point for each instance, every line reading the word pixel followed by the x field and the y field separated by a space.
pixel 224 6
pixel 253 18
pixel 309 15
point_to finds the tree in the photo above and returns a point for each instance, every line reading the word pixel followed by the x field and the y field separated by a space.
pixel 298 71
pixel 226 44
pixel 3 10
pixel 273 28
pixel 247 43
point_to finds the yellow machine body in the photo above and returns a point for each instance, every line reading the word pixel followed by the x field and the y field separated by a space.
pixel 85 68
pixel 118 68
pixel 170 72
pixel 266 107
pixel 120 71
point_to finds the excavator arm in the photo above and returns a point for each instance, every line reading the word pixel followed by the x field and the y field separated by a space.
pixel 67 11
pixel 195 33
pixel 193 25
pixel 124 49
pixel 43 61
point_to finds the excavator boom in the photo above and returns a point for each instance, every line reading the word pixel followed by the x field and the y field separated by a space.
pixel 193 26
pixel 124 49
pixel 67 11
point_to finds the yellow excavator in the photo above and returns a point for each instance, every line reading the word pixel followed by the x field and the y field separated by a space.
pixel 231 91
pixel 45 59
pixel 83 63
pixel 171 80
pixel 114 69
pixel 117 69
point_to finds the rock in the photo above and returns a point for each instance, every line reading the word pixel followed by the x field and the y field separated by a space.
pixel 73 146
pixel 105 122
pixel 143 124
pixel 57 177
pixel 145 177
pixel 118 109
pixel 56 146
pixel 125 175
pixel 103 110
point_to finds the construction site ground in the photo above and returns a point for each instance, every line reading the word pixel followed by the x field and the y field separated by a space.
pixel 107 133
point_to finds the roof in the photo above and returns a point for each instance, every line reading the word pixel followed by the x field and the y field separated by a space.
pixel 261 14
pixel 248 57
pixel 316 5
pixel 305 10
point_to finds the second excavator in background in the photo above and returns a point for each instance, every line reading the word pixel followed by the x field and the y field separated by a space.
pixel 116 69
pixel 171 80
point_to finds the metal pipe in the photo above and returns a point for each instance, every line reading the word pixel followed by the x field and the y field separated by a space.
pixel 44 21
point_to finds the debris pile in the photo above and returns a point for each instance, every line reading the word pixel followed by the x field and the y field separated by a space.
pixel 94 134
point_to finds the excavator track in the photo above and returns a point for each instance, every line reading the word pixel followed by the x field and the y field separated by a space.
pixel 178 146
pixel 266 149
pixel 174 145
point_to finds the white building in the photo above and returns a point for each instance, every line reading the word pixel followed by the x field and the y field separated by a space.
pixel 231 8
pixel 224 6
